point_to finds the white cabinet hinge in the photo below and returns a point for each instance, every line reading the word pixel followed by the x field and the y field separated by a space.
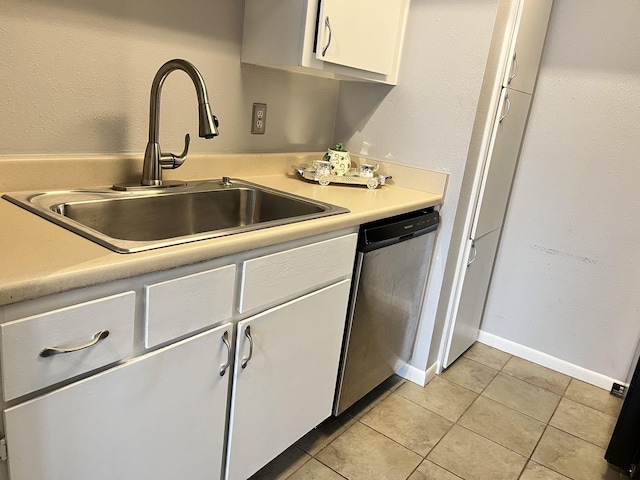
pixel 3 449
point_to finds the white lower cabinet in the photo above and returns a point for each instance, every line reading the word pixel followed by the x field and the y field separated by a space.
pixel 473 295
pixel 167 414
pixel 159 416
pixel 291 355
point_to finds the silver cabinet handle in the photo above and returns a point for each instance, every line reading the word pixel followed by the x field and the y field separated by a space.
pixel 475 254
pixel 516 67
pixel 326 47
pixel 49 351
pixel 225 340
pixel 245 361
pixel 508 103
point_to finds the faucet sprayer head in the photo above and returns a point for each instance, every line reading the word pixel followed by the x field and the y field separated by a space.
pixel 208 122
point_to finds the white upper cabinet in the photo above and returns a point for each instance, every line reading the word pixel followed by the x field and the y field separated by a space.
pixel 526 49
pixel 354 33
pixel 354 39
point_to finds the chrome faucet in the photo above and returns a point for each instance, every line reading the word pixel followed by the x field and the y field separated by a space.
pixel 154 159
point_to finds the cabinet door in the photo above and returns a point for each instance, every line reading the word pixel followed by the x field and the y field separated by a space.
pixel 526 51
pixel 288 385
pixel 501 162
pixel 473 295
pixel 362 34
pixel 160 416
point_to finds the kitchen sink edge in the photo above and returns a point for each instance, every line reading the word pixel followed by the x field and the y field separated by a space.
pixel 150 218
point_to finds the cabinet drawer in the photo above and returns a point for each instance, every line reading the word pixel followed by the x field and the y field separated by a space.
pixel 24 370
pixel 282 275
pixel 184 305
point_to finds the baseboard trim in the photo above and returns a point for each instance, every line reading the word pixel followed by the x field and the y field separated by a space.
pixel 417 376
pixel 541 358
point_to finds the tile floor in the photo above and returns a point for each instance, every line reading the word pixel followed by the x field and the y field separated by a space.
pixel 490 416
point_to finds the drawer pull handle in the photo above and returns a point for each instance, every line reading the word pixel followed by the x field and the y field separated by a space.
pixel 245 361
pixel 225 340
pixel 49 351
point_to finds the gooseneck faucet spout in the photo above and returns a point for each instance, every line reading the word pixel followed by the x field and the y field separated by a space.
pixel 154 159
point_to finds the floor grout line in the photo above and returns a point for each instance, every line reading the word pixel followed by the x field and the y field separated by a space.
pixel 376 402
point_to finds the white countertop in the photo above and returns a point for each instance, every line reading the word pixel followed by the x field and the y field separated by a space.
pixel 40 258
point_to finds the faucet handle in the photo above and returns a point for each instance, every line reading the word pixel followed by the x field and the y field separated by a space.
pixel 171 160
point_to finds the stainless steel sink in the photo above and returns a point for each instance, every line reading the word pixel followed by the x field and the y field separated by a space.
pixel 132 221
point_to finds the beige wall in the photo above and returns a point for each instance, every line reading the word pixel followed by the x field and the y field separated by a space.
pixel 76 76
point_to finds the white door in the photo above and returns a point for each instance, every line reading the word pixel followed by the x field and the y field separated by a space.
pixel 361 34
pixel 501 162
pixel 473 295
pixel 526 51
pixel 288 384
pixel 160 416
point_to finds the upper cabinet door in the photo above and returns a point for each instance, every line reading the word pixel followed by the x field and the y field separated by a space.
pixel 526 51
pixel 362 34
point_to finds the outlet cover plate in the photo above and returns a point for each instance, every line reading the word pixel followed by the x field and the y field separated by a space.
pixel 259 118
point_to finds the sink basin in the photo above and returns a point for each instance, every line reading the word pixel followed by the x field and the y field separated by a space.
pixel 134 221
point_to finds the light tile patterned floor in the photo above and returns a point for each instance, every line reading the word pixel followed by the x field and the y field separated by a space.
pixel 490 416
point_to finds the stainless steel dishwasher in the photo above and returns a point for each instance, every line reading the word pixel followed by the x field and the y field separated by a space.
pixel 389 280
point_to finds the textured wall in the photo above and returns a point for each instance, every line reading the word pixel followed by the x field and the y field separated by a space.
pixel 567 276
pixel 426 120
pixel 76 77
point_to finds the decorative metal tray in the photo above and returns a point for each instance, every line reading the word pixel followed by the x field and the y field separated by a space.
pixel 352 177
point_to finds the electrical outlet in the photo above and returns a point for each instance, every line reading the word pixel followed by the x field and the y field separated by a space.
pixel 618 390
pixel 259 118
